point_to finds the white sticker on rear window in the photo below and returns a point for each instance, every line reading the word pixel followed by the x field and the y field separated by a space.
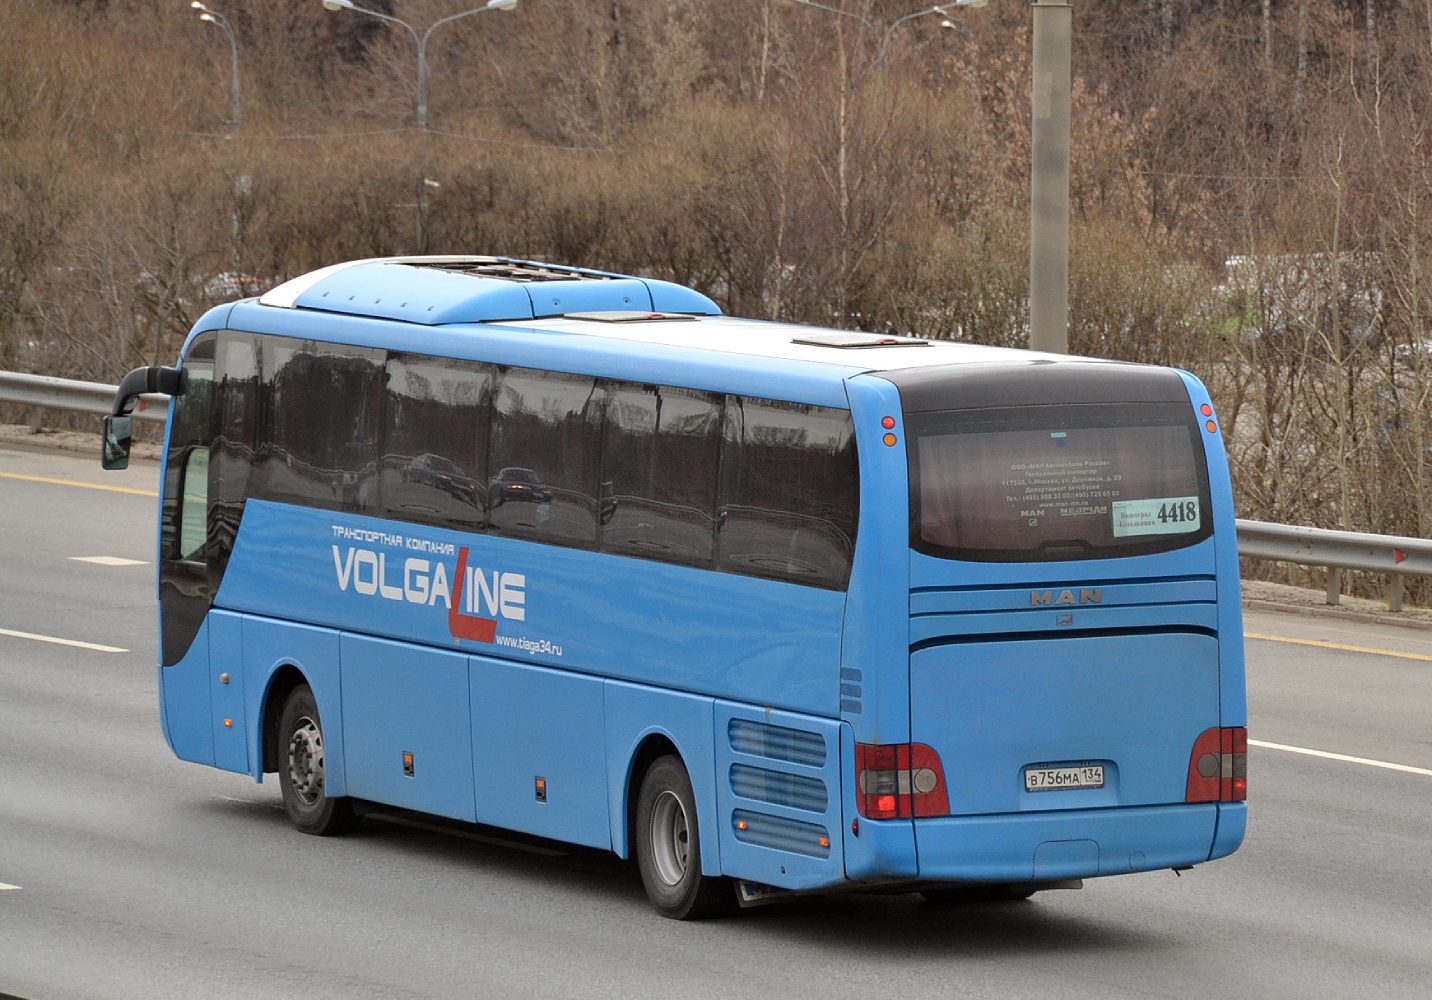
pixel 1156 516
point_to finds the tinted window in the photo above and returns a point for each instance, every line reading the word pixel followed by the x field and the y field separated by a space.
pixel 319 413
pixel 543 473
pixel 789 495
pixel 236 393
pixel 658 490
pixel 184 582
pixel 186 487
pixel 434 465
pixel 1077 481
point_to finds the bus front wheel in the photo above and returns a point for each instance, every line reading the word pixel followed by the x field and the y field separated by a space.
pixel 302 770
pixel 668 847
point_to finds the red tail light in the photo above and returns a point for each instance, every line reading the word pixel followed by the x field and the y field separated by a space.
pixel 899 780
pixel 1218 766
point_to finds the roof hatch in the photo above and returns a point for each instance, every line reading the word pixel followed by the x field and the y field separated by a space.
pixel 854 341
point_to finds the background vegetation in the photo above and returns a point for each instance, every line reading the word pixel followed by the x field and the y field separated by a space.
pixel 1252 195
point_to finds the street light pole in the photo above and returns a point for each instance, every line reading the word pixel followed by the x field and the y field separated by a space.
pixel 943 10
pixel 1049 179
pixel 213 17
pixel 420 40
pixel 842 177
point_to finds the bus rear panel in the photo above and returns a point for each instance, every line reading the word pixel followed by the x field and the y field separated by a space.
pixel 1073 646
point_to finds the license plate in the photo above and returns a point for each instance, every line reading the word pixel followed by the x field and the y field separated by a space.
pixel 1051 779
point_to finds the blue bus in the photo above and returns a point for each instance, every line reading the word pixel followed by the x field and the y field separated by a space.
pixel 771 609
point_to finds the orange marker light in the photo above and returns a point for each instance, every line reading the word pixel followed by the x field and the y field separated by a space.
pixel 889 440
pixel 740 824
pixel 1212 427
pixel 824 841
pixel 229 723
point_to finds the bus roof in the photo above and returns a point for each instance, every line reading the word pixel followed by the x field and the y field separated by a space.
pixel 518 294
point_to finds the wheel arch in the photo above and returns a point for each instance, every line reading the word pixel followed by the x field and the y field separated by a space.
pixel 281 684
pixel 652 747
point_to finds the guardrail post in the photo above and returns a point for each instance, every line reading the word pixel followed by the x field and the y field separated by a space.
pixel 1394 592
pixel 1334 584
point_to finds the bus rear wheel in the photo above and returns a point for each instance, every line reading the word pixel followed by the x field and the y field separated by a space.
pixel 668 847
pixel 302 770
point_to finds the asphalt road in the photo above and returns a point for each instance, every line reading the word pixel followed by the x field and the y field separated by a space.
pixel 138 875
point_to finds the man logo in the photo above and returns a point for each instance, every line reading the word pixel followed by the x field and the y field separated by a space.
pixel 1047 599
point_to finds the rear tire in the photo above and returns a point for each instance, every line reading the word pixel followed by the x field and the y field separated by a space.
pixel 302 771
pixel 668 847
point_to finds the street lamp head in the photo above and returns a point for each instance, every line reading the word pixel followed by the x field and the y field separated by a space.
pixel 337 4
pixel 206 16
pixel 198 6
pixel 501 4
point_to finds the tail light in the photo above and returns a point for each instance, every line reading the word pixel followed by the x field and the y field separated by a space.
pixel 1218 766
pixel 899 780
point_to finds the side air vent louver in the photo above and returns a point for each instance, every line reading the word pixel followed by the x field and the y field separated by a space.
pixel 793 790
pixel 791 835
pixel 795 746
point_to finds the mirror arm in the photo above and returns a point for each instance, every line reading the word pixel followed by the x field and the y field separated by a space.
pixel 170 381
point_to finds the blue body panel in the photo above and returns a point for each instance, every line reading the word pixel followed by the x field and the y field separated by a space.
pixel 778 792
pixel 185 690
pixel 875 698
pixel 1232 825
pixel 528 723
pixel 226 685
pixel 1133 703
pixel 714 633
pixel 1233 694
pixel 1079 843
pixel 400 698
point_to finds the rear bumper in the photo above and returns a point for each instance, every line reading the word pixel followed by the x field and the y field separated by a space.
pixel 1018 847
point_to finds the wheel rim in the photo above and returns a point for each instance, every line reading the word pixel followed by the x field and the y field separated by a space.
pixel 670 838
pixel 305 761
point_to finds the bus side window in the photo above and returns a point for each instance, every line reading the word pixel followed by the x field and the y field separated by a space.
pixel 788 492
pixel 320 407
pixel 433 469
pixel 543 479
pixel 659 457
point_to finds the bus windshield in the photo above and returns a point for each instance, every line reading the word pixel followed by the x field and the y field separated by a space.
pixel 1057 482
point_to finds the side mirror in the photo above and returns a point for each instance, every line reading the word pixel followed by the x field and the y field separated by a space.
pixel 118 433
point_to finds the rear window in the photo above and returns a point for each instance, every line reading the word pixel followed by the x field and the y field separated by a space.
pixel 1057 482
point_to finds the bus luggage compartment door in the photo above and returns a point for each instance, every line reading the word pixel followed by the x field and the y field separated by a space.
pixel 778 797
pixel 1065 723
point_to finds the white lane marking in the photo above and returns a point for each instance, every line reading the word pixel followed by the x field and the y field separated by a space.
pixel 6 885
pixel 1406 768
pixel 109 561
pixel 62 642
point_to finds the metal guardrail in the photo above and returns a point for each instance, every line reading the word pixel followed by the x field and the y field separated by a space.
pixel 1394 556
pixel 70 394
